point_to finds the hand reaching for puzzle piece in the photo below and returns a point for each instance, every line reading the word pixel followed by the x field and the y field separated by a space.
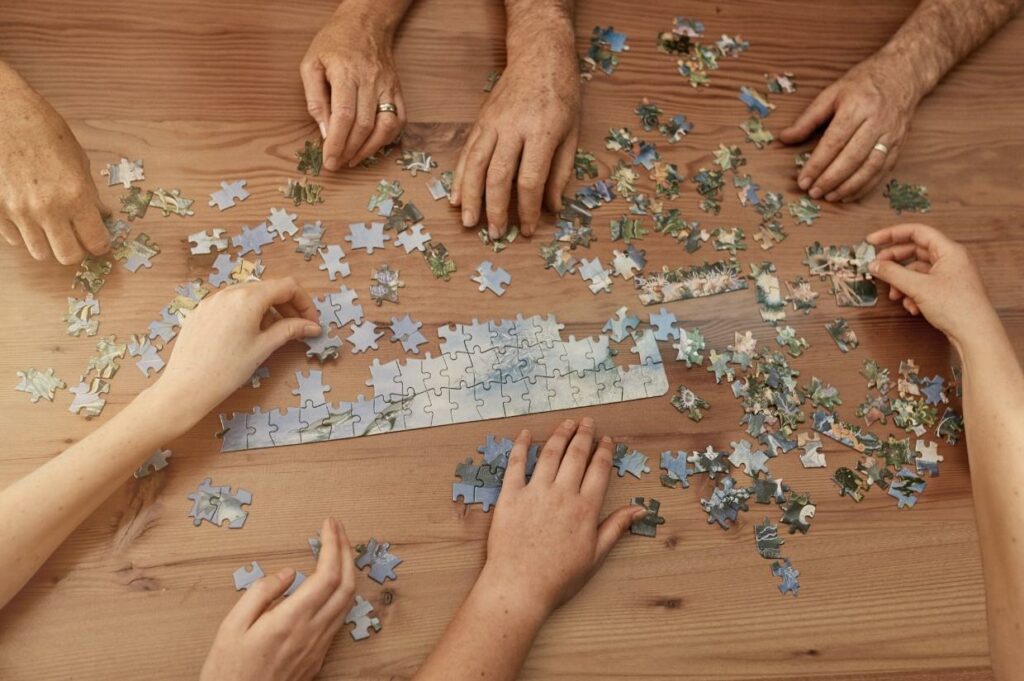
pixel 48 201
pixel 934 276
pixel 347 72
pixel 547 538
pixel 264 638
pixel 526 134
pixel 872 103
pixel 225 339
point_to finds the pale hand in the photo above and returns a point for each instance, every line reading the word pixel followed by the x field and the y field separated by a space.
pixel 525 137
pixel 934 276
pixel 267 639
pixel 871 103
pixel 48 201
pixel 547 538
pixel 347 71
pixel 226 338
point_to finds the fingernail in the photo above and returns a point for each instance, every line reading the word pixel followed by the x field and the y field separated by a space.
pixel 525 434
pixel 815 193
pixel 606 440
pixel 334 525
pixel 568 423
pixel 639 513
pixel 323 130
pixel 873 267
pixel 805 182
pixel 831 196
pixel 286 575
pixel 492 230
pixel 331 163
pixel 312 329
pixel 587 421
pixel 467 218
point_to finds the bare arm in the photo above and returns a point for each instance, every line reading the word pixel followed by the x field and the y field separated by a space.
pixel 220 345
pixel 935 276
pixel 874 102
pixel 556 514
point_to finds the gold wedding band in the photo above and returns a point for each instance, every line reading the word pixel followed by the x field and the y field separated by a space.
pixel 387 107
pixel 882 148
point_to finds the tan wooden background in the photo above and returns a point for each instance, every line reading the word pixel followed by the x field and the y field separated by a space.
pixel 210 91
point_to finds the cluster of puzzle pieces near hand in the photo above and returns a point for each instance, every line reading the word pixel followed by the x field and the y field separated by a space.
pixel 498 368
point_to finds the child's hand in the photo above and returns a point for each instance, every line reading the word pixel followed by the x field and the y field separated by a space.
pixel 934 276
pixel 287 641
pixel 224 340
pixel 546 539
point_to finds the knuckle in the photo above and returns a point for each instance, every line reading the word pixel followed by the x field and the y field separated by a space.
pixel 343 114
pixel 316 108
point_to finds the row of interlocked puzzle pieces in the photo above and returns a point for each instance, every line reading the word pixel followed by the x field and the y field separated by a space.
pixel 486 370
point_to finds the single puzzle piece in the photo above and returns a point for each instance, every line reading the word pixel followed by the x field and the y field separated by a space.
pixel 789 576
pixel 80 313
pixel 367 238
pixel 912 198
pixel 767 539
pixel 688 402
pixel 332 262
pixel 752 461
pixel 905 487
pixel 171 203
pixel 676 470
pixel 156 462
pixel 766 490
pixel 844 337
pixel 228 194
pixel 413 239
pixel 379 558
pixel 664 323
pixel 124 172
pixel 756 133
pixel 620 326
pixel 136 253
pixel 252 239
pixel 104 362
pixel 364 336
pixel 216 504
pixel 798 513
pixel 928 458
pixel 203 243
pixel 416 161
pixel 244 577
pixel 725 503
pixel 632 462
pixel 39 384
pixel 311 388
pixel 88 401
pixel 407 331
pixel 691 343
pixel 309 239
pixel 439 261
pixel 491 278
pixel 302 191
pixel 310 157
pixel 647 525
pixel 282 223
pixel 710 461
pixel 385 285
pixel 135 203
pixel 359 615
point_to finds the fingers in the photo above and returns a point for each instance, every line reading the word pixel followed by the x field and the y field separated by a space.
pixel 922 235
pixel 471 182
pixel 574 463
pixel 500 174
pixel 9 232
pixel 848 162
pixel 456 195
pixel 838 134
pixel 278 292
pixel 595 482
pixel 311 596
pixel 385 130
pixel 533 175
pixel 34 237
pixel 285 330
pixel 561 171
pixel 614 526
pixel 909 282
pixel 91 232
pixel 341 600
pixel 63 243
pixel 515 472
pixel 318 93
pixel 861 180
pixel 812 118
pixel 257 598
pixel 344 94
pixel 871 181
pixel 551 455
pixel 366 117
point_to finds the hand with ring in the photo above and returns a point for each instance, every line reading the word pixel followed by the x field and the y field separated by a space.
pixel 868 112
pixel 351 84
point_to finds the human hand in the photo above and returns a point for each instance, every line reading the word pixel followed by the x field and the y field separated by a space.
pixel 225 339
pixel 872 103
pixel 546 539
pixel 347 71
pixel 526 134
pixel 48 201
pixel 934 276
pixel 288 640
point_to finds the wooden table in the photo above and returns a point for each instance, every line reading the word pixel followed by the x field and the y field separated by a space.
pixel 210 91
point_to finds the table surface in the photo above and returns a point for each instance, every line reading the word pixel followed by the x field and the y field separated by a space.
pixel 210 91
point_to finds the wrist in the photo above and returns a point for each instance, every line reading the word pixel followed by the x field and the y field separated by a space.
pixel 981 335
pixel 540 27
pixel 913 81
pixel 379 18
pixel 498 593
pixel 172 413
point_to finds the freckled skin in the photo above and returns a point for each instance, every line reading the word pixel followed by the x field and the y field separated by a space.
pixel 48 201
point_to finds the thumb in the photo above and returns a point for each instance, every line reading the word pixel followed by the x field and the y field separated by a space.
pixel 614 526
pixel 318 101
pixel 811 119
pixel 287 329
pixel 910 282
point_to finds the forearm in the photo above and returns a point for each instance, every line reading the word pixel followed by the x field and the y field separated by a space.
pixel 993 404
pixel 380 15
pixel 939 34
pixel 489 638
pixel 540 26
pixel 38 512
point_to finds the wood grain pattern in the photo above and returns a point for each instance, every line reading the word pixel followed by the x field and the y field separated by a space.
pixel 209 91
